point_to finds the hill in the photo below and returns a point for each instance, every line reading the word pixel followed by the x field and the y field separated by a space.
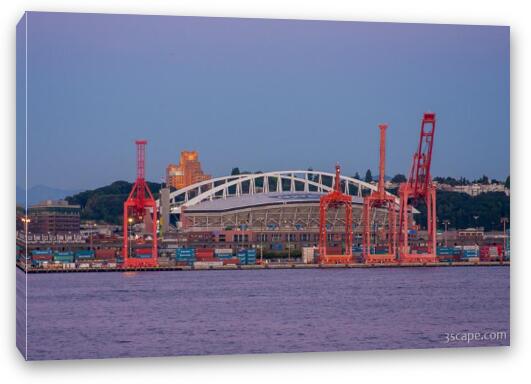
pixel 461 209
pixel 106 203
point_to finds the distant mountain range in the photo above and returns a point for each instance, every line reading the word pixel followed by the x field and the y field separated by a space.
pixel 39 193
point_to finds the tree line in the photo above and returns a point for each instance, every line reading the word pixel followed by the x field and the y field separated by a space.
pixel 105 204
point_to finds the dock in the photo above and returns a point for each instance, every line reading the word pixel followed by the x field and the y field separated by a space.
pixel 30 269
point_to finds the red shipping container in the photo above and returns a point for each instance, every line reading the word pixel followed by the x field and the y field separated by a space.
pixel 143 251
pixel 334 250
pixel 42 257
pixel 205 258
pixel 105 254
pixel 181 263
pixel 204 252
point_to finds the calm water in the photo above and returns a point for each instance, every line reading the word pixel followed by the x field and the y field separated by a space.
pixel 98 315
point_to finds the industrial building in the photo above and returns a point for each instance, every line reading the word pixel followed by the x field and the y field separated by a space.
pixel 54 217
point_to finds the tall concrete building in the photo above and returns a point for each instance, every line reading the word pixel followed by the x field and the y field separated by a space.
pixel 164 210
pixel 187 172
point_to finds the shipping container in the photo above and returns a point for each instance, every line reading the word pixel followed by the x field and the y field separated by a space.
pixel 86 252
pixel 247 256
pixel 182 263
pixel 63 259
pixel 142 251
pixel 233 260
pixel 141 256
pixel 308 255
pixel 208 252
pixel 207 264
pixel 103 254
pixel 64 253
pixel 42 257
pixel 224 256
pixel 39 252
pixel 224 251
pixel 334 250
pixel 185 256
pixel 84 255
pixel 206 258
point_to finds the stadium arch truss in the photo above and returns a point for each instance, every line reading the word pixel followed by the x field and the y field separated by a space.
pixel 268 201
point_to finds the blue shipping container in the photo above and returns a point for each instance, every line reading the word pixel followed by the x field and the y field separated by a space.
pixel 67 253
pixel 41 252
pixel 84 257
pixel 85 252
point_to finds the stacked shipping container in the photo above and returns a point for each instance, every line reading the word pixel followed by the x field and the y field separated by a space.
pixel 247 256
pixel 185 256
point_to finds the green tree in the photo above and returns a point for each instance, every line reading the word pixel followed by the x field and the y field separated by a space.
pixel 399 178
pixel 508 182
pixel 368 176
pixel 235 171
pixel 482 180
pixel 357 176
pixel 460 209
pixel 106 203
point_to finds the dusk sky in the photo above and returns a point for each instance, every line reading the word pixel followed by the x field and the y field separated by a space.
pixel 258 94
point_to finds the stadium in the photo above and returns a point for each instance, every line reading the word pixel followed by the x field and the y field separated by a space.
pixel 274 211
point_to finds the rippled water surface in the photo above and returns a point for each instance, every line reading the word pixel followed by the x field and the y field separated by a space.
pixel 99 315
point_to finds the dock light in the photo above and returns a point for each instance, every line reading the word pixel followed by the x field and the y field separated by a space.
pixel 26 220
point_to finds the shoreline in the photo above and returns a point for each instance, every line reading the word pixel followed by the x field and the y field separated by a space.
pixel 266 266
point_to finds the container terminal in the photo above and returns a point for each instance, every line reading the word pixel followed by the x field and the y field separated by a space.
pixel 282 219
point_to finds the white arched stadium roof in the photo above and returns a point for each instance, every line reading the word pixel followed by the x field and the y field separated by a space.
pixel 247 184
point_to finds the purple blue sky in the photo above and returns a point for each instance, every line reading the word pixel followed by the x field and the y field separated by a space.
pixel 255 93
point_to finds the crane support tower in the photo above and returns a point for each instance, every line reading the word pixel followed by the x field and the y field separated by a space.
pixel 380 199
pixel 335 200
pixel 419 187
pixel 140 207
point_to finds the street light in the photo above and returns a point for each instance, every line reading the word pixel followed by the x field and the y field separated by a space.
pixel 287 226
pixel 261 220
pixel 129 234
pixel 504 221
pixel 26 220
pixel 91 235
pixel 446 223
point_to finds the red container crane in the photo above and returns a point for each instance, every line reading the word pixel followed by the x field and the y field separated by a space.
pixel 380 199
pixel 335 200
pixel 419 187
pixel 140 207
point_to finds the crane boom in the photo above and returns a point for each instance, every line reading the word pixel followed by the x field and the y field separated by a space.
pixel 420 177
pixel 420 187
